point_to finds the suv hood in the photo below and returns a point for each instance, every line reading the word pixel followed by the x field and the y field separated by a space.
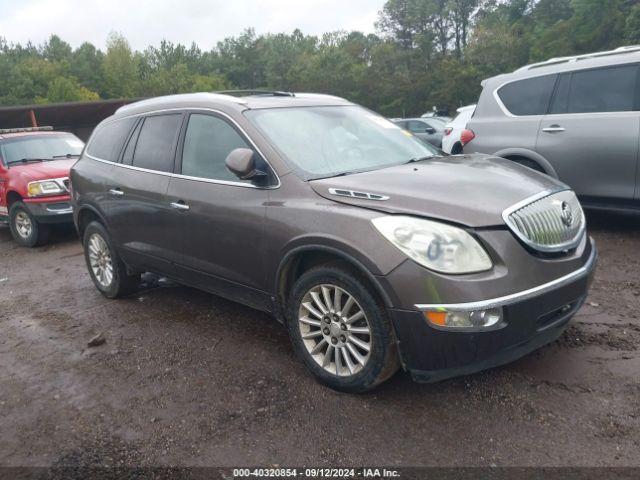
pixel 43 170
pixel 471 190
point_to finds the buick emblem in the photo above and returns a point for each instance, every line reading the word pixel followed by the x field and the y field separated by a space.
pixel 566 214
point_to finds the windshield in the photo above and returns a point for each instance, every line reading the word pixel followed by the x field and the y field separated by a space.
pixel 329 141
pixel 40 147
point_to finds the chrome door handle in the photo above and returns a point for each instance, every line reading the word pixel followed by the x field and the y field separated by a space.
pixel 179 206
pixel 116 192
pixel 553 129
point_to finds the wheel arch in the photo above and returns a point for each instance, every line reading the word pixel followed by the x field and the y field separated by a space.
pixel 13 197
pixel 525 153
pixel 86 214
pixel 301 258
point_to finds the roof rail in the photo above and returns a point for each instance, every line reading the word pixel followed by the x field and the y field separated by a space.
pixel 25 129
pixel 585 56
pixel 274 93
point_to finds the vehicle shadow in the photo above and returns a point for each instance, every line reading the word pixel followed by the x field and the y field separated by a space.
pixel 612 221
pixel 59 234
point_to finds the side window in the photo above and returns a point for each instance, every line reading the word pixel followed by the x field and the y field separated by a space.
pixel 108 139
pixel 207 143
pixel 155 146
pixel 416 126
pixel 603 90
pixel 528 97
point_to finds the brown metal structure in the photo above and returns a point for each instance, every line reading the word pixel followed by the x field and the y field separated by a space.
pixel 77 117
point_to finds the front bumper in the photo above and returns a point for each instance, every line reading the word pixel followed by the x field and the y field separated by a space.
pixel 51 209
pixel 533 318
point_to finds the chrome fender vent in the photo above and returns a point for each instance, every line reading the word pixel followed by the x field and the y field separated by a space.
pixel 548 222
pixel 353 194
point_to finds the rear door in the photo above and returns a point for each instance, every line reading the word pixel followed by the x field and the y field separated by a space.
pixel 590 135
pixel 141 220
pixel 222 217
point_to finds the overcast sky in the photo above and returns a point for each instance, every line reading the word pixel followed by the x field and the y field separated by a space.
pixel 145 22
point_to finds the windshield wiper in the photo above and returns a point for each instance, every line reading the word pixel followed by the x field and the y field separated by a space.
pixel 421 159
pixel 343 174
pixel 66 155
pixel 27 160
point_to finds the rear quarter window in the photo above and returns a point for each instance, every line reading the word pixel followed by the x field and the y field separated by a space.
pixel 528 97
pixel 108 139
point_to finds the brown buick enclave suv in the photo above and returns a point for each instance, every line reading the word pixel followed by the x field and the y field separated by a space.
pixel 374 249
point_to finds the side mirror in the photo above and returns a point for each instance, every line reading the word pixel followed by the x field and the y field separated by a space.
pixel 430 130
pixel 242 163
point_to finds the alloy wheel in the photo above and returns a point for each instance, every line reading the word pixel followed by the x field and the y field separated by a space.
pixel 100 260
pixel 23 224
pixel 335 330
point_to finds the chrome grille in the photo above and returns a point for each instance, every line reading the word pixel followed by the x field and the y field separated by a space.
pixel 548 223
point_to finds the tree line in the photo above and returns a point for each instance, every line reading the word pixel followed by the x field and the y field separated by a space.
pixel 424 53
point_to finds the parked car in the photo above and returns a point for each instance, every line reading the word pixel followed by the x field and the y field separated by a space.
pixel 573 118
pixel 440 115
pixel 373 249
pixel 34 181
pixel 428 130
pixel 451 140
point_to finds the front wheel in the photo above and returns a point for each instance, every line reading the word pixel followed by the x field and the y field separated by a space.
pixel 108 272
pixel 341 330
pixel 25 229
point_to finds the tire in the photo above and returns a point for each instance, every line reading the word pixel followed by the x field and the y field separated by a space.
pixel 382 360
pixel 456 149
pixel 24 227
pixel 99 254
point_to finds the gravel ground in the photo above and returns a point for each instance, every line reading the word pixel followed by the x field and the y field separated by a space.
pixel 186 378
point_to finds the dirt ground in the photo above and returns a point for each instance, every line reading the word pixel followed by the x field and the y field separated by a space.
pixel 186 378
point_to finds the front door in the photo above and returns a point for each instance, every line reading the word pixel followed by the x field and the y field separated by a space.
pixel 141 220
pixel 222 216
pixel 590 136
pixel 425 131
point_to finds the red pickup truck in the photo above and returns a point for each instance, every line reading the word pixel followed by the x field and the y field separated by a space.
pixel 34 181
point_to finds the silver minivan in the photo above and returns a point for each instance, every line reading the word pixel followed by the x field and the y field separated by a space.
pixel 573 118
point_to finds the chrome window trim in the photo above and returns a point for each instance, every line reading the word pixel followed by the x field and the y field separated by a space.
pixel 187 177
pixel 506 111
pixel 519 296
pixel 542 248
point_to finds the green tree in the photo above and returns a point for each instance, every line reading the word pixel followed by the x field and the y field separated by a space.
pixel 65 89
pixel 119 68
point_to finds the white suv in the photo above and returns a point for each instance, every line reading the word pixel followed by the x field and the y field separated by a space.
pixel 451 139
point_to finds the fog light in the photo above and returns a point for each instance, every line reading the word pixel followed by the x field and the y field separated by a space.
pixel 465 319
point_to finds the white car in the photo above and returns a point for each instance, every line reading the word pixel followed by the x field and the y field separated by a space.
pixel 451 139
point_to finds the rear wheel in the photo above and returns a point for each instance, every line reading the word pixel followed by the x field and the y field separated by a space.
pixel 341 331
pixel 25 228
pixel 108 272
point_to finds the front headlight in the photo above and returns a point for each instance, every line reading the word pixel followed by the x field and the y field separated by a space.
pixel 434 245
pixel 44 187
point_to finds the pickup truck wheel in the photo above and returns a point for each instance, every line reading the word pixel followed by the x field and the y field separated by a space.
pixel 25 228
pixel 341 331
pixel 108 272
